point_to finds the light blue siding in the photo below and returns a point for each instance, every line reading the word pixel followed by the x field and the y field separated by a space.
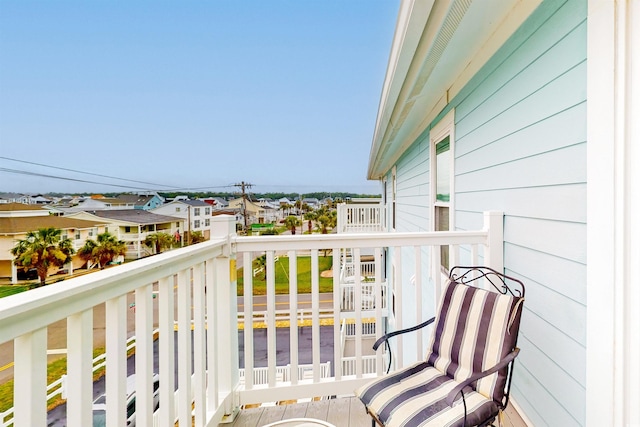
pixel 520 147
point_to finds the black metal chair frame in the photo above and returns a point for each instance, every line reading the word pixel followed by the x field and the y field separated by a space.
pixel 466 275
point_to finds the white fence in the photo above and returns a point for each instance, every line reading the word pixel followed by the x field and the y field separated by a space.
pixel 196 288
pixel 283 373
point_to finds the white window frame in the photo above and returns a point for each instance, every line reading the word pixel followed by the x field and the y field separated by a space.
pixel 444 128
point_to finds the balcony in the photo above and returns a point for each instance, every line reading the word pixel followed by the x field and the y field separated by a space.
pixel 187 299
pixel 361 218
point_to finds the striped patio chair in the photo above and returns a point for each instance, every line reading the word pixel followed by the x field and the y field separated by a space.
pixel 466 376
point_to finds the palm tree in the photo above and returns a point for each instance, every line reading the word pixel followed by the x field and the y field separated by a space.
pixel 310 216
pixel 41 250
pixel 103 251
pixel 159 241
pixel 196 237
pixel 326 219
pixel 291 222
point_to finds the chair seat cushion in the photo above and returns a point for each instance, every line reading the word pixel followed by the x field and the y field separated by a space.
pixel 415 396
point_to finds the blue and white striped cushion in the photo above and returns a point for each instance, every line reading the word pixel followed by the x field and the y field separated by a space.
pixel 473 331
pixel 416 397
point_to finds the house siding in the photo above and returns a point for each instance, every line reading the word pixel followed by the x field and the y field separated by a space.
pixel 520 147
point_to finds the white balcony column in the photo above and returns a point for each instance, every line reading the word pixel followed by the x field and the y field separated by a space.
pixel 79 368
pixel 226 287
pixel 14 274
pixel 30 392
pixel 613 209
pixel 494 252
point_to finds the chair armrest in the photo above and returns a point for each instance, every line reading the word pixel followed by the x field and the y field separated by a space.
pixel 385 337
pixel 475 377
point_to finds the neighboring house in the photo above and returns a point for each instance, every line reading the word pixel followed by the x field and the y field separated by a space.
pixel 195 213
pixel 529 108
pixel 254 212
pixel 216 202
pixel 144 201
pixel 133 226
pixel 16 220
pixel 9 197
pixel 312 202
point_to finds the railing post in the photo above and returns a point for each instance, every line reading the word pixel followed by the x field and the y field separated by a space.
pixel 223 227
pixel 80 365
pixel 494 251
pixel 30 392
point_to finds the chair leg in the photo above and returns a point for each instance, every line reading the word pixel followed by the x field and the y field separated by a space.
pixel 373 422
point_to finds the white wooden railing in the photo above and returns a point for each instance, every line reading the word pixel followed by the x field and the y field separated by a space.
pixel 360 218
pixel 196 287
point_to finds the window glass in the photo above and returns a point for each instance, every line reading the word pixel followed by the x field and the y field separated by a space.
pixel 443 174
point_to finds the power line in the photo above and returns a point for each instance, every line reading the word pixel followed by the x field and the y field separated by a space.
pixel 21 172
pixel 83 172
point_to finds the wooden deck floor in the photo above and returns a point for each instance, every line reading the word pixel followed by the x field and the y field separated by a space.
pixel 343 412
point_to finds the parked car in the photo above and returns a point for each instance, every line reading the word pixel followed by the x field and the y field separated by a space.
pixel 100 404
pixel 30 274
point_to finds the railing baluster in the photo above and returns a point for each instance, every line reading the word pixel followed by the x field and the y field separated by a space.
pixel 358 309
pixel 199 362
pixel 315 315
pixel 79 368
pixel 144 355
pixel 378 289
pixel 116 340
pixel 271 318
pixel 247 260
pixel 30 366
pixel 293 317
pixel 184 347
pixel 418 289
pixel 166 350
pixel 397 255
pixel 213 395
pixel 337 303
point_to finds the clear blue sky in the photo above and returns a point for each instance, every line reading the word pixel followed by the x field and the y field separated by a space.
pixel 191 94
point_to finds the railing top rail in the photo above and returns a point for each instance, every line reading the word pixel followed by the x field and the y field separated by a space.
pixel 29 311
pixel 359 240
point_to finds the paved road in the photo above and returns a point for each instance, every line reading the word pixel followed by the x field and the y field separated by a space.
pixel 57 416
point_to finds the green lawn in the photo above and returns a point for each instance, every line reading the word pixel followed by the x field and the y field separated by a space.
pixel 282 276
pixel 6 290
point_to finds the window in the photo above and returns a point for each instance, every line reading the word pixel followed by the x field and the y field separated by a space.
pixel 177 208
pixel 394 188
pixel 442 180
pixel 207 211
pixel 177 225
pixel 127 229
pixel 91 232
pixel 196 211
pixel 207 222
pixel 196 223
pixel 77 235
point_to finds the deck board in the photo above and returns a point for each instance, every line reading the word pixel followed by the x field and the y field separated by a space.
pixel 342 412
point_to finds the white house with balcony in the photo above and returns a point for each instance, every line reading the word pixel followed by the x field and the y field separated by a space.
pixel 133 226
pixel 505 137
pixel 18 219
pixel 527 107
pixel 195 213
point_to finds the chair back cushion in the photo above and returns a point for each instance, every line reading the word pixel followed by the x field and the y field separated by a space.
pixel 474 330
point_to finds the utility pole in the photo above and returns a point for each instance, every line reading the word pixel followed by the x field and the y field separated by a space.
pixel 244 186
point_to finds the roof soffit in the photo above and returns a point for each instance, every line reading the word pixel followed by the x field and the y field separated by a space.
pixel 458 38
